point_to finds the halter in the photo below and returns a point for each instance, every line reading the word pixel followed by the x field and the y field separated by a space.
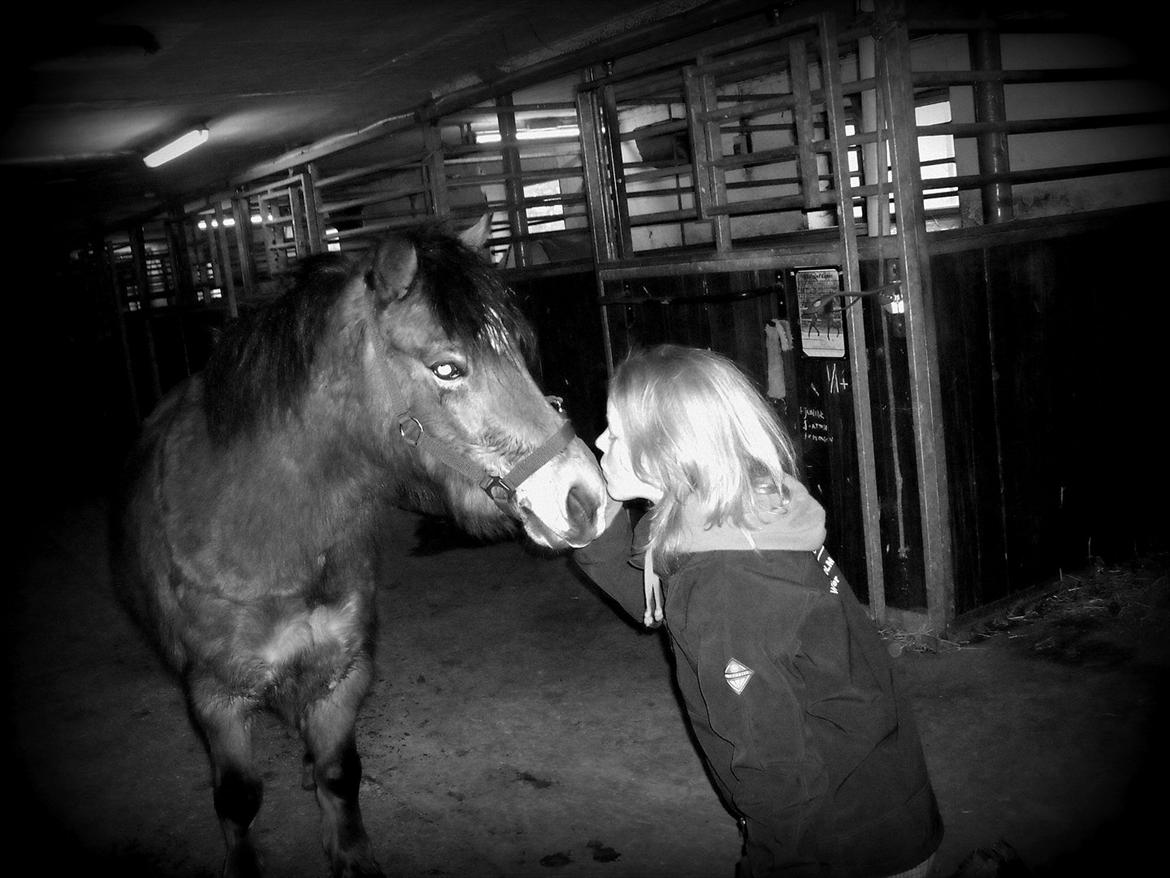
pixel 502 489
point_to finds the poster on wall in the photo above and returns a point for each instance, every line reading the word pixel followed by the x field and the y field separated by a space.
pixel 822 327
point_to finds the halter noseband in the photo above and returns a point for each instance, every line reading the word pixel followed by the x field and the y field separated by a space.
pixel 501 489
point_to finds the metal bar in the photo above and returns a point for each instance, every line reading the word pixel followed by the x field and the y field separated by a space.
pixel 138 255
pixel 598 204
pixel 517 218
pixel 494 147
pixel 709 179
pixel 1042 126
pixel 596 200
pixel 476 114
pixel 992 147
pixel 524 177
pixel 658 217
pixel 763 205
pixel 1042 175
pixel 381 197
pixel 314 228
pixel 367 170
pixel 435 171
pixel 326 147
pixel 223 263
pixel 1016 77
pixel 749 108
pixel 768 156
pixel 673 264
pixel 1046 22
pixel 116 301
pixel 243 230
pixel 176 233
pixel 654 172
pixel 612 145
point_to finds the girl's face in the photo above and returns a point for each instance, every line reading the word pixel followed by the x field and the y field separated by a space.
pixel 620 479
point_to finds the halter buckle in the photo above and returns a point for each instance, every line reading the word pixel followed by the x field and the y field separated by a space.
pixel 498 489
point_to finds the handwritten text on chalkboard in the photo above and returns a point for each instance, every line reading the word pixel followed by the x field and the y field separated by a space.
pixel 814 426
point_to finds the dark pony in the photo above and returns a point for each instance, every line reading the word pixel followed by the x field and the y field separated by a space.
pixel 250 500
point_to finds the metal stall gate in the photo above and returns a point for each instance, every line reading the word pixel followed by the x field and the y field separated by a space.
pixel 761 196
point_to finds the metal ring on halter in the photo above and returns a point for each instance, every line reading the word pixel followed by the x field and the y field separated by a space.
pixel 498 489
pixel 415 434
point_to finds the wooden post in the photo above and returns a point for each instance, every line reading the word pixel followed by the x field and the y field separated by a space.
pixel 925 390
pixel 858 356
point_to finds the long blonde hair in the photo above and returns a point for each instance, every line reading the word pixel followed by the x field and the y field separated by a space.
pixel 696 425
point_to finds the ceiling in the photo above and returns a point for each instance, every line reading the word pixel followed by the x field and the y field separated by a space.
pixel 94 88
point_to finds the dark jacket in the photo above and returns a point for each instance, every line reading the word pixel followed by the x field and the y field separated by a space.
pixel 792 697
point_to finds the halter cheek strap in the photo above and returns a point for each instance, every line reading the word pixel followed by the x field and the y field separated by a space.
pixel 529 464
pixel 502 489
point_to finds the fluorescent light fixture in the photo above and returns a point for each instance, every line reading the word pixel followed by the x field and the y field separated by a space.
pixel 529 134
pixel 176 147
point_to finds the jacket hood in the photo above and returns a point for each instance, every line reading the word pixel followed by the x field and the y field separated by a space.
pixel 798 525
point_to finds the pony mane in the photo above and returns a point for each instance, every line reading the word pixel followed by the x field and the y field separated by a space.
pixel 262 364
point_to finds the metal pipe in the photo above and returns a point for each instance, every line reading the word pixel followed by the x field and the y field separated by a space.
pixel 989 107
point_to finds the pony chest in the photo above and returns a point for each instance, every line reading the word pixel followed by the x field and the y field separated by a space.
pixel 270 642
pixel 322 637
pixel 296 656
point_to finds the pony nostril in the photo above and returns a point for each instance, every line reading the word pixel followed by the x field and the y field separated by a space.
pixel 580 507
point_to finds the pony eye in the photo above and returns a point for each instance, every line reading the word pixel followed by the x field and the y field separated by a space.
pixel 446 371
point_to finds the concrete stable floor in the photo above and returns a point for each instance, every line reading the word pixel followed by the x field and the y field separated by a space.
pixel 520 727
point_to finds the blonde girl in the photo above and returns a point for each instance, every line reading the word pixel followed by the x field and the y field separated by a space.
pixel 787 685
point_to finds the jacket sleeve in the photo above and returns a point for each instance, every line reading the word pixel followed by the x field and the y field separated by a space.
pixel 612 563
pixel 777 779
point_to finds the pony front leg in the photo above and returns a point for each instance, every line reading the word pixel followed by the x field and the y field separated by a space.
pixel 328 732
pixel 224 721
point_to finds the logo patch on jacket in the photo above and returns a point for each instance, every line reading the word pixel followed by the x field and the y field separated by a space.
pixel 737 675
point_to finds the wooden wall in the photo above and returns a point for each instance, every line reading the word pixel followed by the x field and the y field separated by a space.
pixel 1053 358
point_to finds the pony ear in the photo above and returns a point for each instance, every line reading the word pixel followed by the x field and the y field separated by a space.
pixel 392 271
pixel 477 235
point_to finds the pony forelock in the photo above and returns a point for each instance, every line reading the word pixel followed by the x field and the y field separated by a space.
pixel 262 365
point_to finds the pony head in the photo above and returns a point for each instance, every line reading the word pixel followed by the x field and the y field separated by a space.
pixel 443 353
